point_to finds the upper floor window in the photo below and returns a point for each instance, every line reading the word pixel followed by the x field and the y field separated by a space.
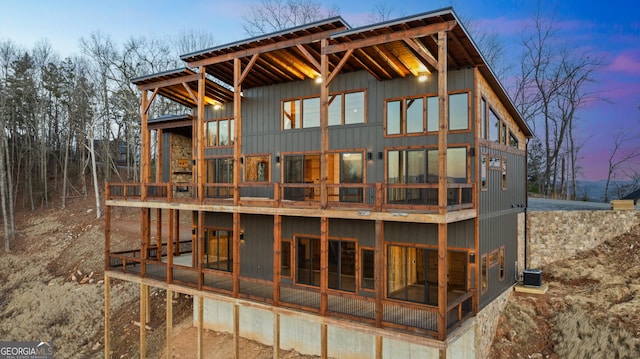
pixel 483 118
pixel 219 132
pixel 256 169
pixel 344 108
pixel 494 126
pixel 410 115
pixel 421 165
pixel 513 141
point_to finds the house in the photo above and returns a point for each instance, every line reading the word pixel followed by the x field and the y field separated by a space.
pixel 363 186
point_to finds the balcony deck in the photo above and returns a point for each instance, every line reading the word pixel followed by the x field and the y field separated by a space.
pixel 394 202
pixel 399 315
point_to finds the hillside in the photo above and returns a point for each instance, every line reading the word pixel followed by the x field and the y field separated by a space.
pixel 52 289
pixel 592 308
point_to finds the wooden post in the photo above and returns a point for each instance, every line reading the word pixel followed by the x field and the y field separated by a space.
pixel 443 124
pixel 176 248
pixel 277 257
pixel 379 272
pixel 236 254
pixel 324 124
pixel 159 234
pixel 107 236
pixel 236 330
pixel 169 321
pixel 200 240
pixel 200 163
pixel 145 219
pixel 200 327
pixel 323 341
pixel 143 326
pixel 378 347
pixel 237 115
pixel 145 145
pixel 170 240
pixel 276 335
pixel 107 316
pixel 324 264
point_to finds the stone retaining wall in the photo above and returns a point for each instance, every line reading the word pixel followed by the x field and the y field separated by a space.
pixel 555 235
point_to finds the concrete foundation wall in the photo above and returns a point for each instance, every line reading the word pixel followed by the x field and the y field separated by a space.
pixel 556 235
pixel 345 339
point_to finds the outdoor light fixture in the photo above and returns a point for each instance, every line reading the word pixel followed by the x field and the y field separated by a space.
pixel 380 155
pixel 318 80
pixel 217 106
pixel 422 77
pixel 369 156
pixel 277 159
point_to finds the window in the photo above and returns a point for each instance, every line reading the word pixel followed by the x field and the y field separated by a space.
pixel 483 118
pixel 504 174
pixel 219 170
pixel 503 134
pixel 346 167
pixel 484 273
pixel 405 116
pixel 219 132
pixel 483 172
pixel 433 114
pixel 218 249
pixel 285 258
pixel 412 274
pixel 342 265
pixel 367 257
pixel 301 169
pixel 354 108
pixel 459 111
pixel 256 169
pixel 308 261
pixel 494 126
pixel 513 141
pixel 501 264
pixel 344 108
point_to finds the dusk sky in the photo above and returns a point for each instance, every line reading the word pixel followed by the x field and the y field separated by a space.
pixel 608 29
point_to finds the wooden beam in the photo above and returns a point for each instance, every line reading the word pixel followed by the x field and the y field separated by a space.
pixel 375 63
pixel 391 59
pixel 309 57
pixel 423 54
pixel 338 68
pixel 237 142
pixel 324 128
pixel 386 38
pixel 169 321
pixel 443 123
pixel 379 343
pixel 159 234
pixel 107 316
pixel 264 48
pixel 324 353
pixel 107 236
pixel 168 82
pixel 236 254
pixel 170 249
pixel 148 105
pixel 200 249
pixel 244 74
pixel 289 67
pixel 193 96
pixel 144 133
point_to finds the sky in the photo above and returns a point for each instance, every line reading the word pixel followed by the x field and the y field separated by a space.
pixel 610 30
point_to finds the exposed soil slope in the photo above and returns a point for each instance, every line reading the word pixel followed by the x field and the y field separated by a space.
pixel 592 308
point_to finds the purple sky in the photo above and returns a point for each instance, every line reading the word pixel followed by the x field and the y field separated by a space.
pixel 607 29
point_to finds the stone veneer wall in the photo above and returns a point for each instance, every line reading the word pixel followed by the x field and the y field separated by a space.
pixel 487 323
pixel 556 235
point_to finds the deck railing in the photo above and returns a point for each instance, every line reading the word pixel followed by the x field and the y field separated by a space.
pixel 378 197
pixel 408 316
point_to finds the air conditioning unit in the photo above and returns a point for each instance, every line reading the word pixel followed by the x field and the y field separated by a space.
pixel 532 277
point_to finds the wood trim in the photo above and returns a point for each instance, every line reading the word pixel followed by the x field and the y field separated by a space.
pixel 339 66
pixel 386 38
pixel 169 323
pixel 244 73
pixel 107 315
pixel 169 82
pixel 309 57
pixel 442 183
pixel 324 264
pixel 380 257
pixel 423 53
pixel 277 259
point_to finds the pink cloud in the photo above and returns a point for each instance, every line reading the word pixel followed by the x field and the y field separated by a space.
pixel 627 62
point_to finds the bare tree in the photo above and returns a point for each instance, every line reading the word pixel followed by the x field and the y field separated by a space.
pixel 550 91
pixel 275 15
pixel 625 150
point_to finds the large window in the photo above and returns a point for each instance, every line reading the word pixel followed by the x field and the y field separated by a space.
pixel 342 265
pixel 303 168
pixel 459 111
pixel 344 108
pixel 285 258
pixel 494 126
pixel 405 116
pixel 219 132
pixel 218 249
pixel 308 261
pixel 256 169
pixel 346 167
pixel 367 260
pixel 219 170
pixel 412 274
pixel 421 165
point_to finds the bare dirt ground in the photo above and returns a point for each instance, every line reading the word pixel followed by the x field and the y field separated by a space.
pixel 592 308
pixel 51 288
